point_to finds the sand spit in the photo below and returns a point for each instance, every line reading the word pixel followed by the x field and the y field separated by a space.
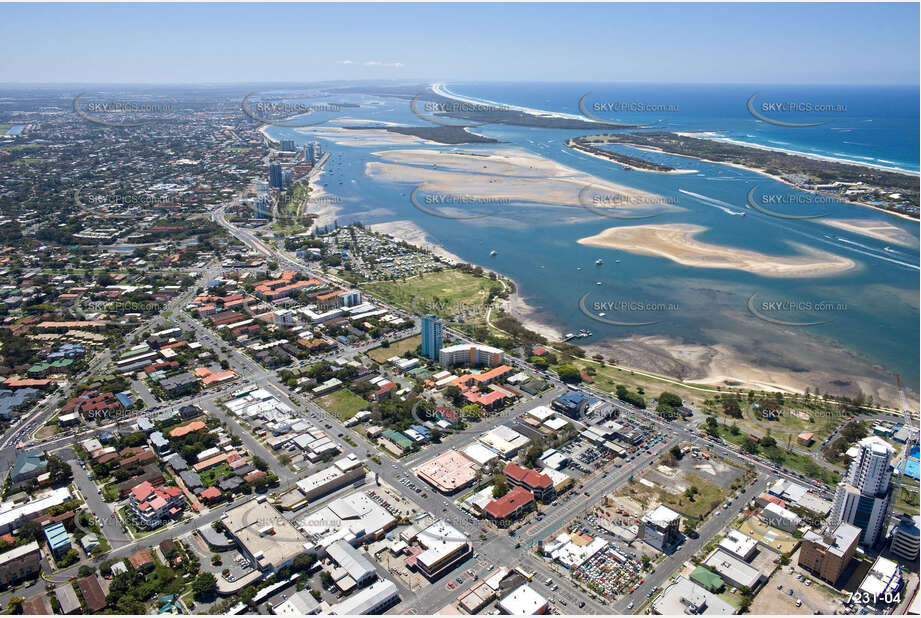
pixel 677 243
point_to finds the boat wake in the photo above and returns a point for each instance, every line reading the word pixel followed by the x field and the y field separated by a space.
pixel 709 201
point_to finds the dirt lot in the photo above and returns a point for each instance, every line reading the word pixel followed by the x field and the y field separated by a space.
pixel 816 597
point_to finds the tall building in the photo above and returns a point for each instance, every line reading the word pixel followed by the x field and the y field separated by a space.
pixel 432 336
pixel 906 538
pixel 312 152
pixel 262 206
pixel 827 555
pixel 287 145
pixel 276 180
pixel 862 498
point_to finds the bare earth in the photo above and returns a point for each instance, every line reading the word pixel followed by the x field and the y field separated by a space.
pixel 676 242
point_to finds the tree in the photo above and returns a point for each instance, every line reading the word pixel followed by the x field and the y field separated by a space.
pixel 670 399
pixel 500 488
pixel 749 445
pixel 15 605
pixel 204 585
pixel 690 527
pixel 568 373
pixel 731 406
pixel 675 451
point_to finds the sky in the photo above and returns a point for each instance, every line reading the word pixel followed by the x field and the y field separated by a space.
pixel 846 43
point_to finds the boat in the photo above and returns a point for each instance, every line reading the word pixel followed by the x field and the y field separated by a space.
pixel 493 252
pixel 599 262
pixel 579 268
pixel 597 283
pixel 602 314
pixel 617 261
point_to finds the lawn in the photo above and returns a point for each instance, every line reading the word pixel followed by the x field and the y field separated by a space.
pixel 211 476
pixel 788 459
pixel 343 403
pixel 396 349
pixel 608 377
pixel 445 293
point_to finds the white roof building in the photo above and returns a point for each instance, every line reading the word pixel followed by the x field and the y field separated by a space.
pixel 523 601
pixel 739 544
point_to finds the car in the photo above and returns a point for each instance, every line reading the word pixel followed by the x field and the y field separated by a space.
pixel 630 606
pixel 799 602
pixel 458 580
pixel 581 604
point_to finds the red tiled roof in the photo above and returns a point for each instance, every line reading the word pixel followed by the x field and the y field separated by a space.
pixel 509 503
pixel 529 478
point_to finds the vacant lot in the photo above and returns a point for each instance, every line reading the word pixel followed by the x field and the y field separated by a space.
pixel 673 492
pixel 446 293
pixel 396 349
pixel 343 403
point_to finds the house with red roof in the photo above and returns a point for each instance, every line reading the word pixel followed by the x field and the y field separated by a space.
pixel 210 495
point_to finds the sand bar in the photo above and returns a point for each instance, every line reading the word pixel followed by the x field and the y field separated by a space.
pixel 874 228
pixel 677 243
pixel 510 174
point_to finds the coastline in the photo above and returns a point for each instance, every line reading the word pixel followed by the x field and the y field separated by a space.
pixel 783 180
pixel 633 167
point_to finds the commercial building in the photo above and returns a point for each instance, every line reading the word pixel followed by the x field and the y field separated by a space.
pixel 684 597
pixel 733 570
pixel 19 563
pixel 355 518
pixel 375 599
pixel 906 538
pixel 882 583
pixel 444 547
pixel 538 484
pixel 659 528
pixel 505 441
pixel 28 465
pixel 263 535
pixel 449 472
pixel 739 544
pixel 573 404
pixel 510 506
pixel 863 497
pixel 827 555
pixel 523 601
pixel 300 603
pixel 432 336
pixel 356 566
pixel 342 472
pixel 779 517
pixel 471 354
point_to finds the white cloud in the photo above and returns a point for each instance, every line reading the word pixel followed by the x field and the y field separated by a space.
pixel 375 63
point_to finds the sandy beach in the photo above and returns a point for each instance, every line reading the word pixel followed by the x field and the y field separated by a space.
pixel 509 175
pixel 676 242
pixel 362 137
pixel 876 228
pixel 409 232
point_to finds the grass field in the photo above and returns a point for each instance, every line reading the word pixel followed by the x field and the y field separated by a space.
pixel 445 293
pixel 343 403
pixel 793 461
pixel 608 377
pixel 396 349
pixel 708 497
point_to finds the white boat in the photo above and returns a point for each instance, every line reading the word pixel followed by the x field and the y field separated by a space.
pixel 493 252
pixel 599 262
pixel 597 283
